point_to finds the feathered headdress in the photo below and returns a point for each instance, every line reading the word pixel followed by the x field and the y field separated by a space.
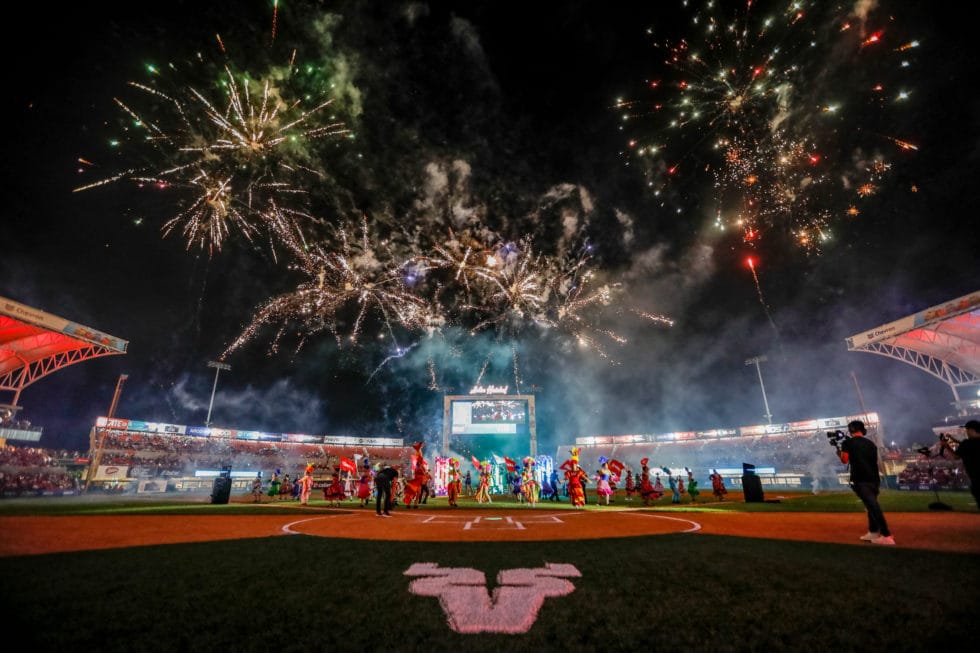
pixel 644 461
pixel 575 452
pixel 602 460
pixel 309 468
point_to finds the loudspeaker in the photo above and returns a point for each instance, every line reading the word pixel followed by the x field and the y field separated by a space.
pixel 221 489
pixel 752 488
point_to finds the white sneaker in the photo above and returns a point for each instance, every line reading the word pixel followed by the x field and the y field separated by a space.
pixel 870 537
pixel 884 539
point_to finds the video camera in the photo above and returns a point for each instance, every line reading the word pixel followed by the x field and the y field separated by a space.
pixel 837 438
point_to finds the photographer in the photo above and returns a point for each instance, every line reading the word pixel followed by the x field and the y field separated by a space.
pixel 968 451
pixel 862 456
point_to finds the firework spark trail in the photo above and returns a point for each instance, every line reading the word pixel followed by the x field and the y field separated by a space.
pixel 745 100
pixel 275 18
pixel 762 299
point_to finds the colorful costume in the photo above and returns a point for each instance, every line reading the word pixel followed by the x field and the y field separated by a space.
pixel 453 482
pixel 483 490
pixel 515 486
pixel 648 492
pixel 574 477
pixel 692 486
pixel 603 480
pixel 306 485
pixel 274 485
pixel 334 493
pixel 419 480
pixel 286 489
pixel 718 486
pixel 630 487
pixel 529 483
pixel 364 483
pixel 673 482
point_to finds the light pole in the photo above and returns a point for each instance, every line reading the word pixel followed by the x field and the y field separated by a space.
pixel 217 370
pixel 755 361
pixel 97 456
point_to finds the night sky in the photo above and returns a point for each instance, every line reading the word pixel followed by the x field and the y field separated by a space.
pixel 496 107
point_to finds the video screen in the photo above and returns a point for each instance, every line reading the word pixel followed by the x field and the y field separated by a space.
pixel 489 416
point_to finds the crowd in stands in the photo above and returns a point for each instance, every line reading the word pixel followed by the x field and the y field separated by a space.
pixel 33 470
pixel 802 454
pixel 36 483
pixel 9 420
pixel 930 475
pixel 153 456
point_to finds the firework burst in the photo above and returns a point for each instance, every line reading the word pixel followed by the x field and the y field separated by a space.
pixel 782 112
pixel 340 290
pixel 237 157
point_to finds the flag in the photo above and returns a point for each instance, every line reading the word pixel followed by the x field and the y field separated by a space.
pixel 511 465
pixel 476 463
pixel 497 459
pixel 566 465
pixel 616 467
pixel 348 465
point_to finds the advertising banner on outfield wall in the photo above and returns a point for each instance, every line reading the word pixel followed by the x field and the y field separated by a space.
pixel 111 472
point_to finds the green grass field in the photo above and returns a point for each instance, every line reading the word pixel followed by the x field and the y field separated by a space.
pixel 676 592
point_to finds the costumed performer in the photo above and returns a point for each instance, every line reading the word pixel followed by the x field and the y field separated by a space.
pixel 483 489
pixel 574 477
pixel 306 485
pixel 364 483
pixel 692 486
pixel 603 489
pixel 453 482
pixel 529 483
pixel 718 486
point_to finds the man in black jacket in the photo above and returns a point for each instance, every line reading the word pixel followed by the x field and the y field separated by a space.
pixel 382 481
pixel 862 455
pixel 968 450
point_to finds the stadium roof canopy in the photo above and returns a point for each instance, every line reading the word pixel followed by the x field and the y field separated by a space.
pixel 943 340
pixel 34 344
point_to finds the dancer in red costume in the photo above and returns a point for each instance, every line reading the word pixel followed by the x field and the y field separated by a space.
pixel 718 486
pixel 454 482
pixel 334 493
pixel 574 477
pixel 647 491
pixel 420 477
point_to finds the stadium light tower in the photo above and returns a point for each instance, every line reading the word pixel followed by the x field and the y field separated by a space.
pixel 755 360
pixel 217 370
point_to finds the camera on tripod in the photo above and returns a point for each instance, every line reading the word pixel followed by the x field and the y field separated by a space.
pixel 837 438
